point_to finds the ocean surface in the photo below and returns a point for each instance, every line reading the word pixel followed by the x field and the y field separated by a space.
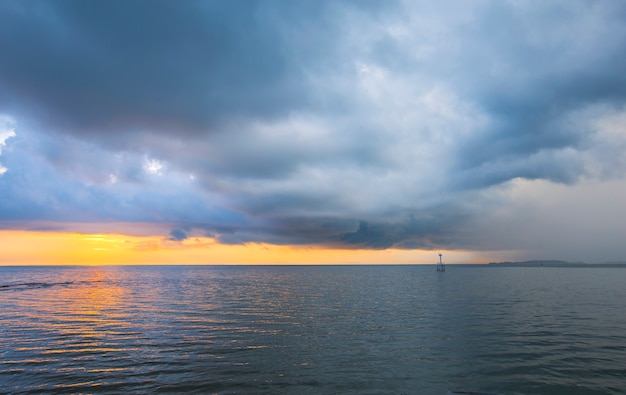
pixel 312 330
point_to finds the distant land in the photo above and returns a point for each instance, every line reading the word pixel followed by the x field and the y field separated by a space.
pixel 556 263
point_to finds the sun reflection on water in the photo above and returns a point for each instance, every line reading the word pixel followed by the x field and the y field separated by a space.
pixel 67 319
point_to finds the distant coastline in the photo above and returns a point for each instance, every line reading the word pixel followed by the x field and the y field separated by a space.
pixel 556 263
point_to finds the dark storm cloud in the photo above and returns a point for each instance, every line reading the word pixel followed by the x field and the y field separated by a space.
pixel 358 124
pixel 532 67
pixel 108 66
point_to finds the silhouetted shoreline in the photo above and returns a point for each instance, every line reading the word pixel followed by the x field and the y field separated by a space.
pixel 556 263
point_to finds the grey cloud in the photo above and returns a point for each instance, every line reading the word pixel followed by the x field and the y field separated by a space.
pixel 68 181
pixel 554 60
pixel 336 123
pixel 106 67
pixel 177 235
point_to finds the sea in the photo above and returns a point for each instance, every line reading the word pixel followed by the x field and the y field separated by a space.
pixel 379 329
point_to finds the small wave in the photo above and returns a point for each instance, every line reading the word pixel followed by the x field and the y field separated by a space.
pixel 470 393
pixel 32 285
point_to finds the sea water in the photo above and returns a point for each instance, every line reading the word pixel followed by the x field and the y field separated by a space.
pixel 312 330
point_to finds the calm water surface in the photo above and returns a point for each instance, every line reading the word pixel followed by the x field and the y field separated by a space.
pixel 312 330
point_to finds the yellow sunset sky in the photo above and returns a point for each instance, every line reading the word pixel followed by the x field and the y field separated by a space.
pixel 64 248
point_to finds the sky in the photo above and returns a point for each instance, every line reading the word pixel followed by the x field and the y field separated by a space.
pixel 312 131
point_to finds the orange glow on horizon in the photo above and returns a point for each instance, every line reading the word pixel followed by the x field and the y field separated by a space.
pixel 64 248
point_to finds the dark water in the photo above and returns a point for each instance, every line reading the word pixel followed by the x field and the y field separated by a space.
pixel 312 330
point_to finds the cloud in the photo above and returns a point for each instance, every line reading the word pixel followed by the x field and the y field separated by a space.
pixel 128 65
pixel 177 235
pixel 353 124
pixel 544 220
pixel 118 67
pixel 7 130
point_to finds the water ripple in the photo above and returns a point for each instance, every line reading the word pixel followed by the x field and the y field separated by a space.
pixel 384 330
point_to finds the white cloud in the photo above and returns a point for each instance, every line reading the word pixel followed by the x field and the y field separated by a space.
pixel 153 166
pixel 7 130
